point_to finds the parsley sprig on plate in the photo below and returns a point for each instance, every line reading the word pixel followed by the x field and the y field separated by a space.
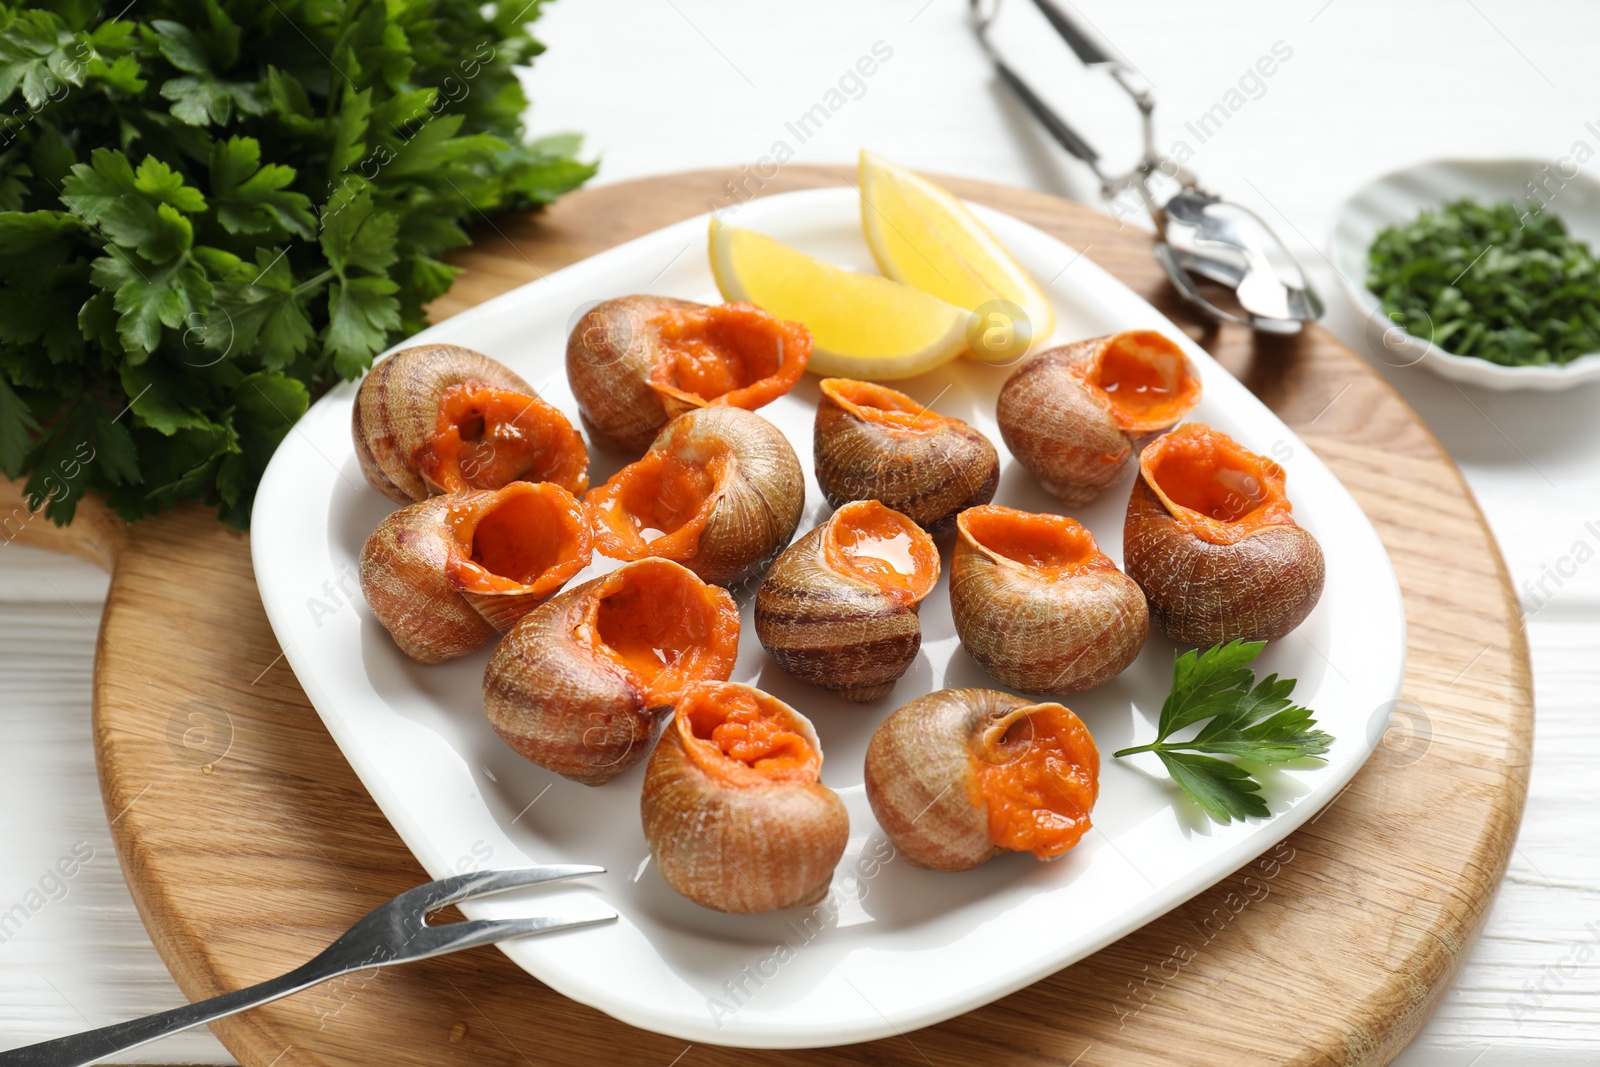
pixel 1249 720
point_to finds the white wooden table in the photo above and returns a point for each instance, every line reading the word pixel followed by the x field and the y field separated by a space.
pixel 661 85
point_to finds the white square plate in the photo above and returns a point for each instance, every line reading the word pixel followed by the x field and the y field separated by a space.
pixel 893 947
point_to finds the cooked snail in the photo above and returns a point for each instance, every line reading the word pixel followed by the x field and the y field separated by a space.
pixel 1074 416
pixel 734 811
pixel 839 608
pixel 637 362
pixel 720 491
pixel 1210 539
pixel 441 419
pixel 1039 605
pixel 580 686
pixel 874 443
pixel 446 575
pixel 961 775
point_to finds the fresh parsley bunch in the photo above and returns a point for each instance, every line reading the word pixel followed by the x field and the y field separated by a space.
pixel 1497 281
pixel 1249 719
pixel 212 209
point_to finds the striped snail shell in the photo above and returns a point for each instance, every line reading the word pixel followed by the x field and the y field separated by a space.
pixel 582 684
pixel 443 419
pixel 1076 415
pixel 1039 605
pixel 876 443
pixel 635 363
pixel 446 575
pixel 733 808
pixel 1210 538
pixel 839 608
pixel 720 491
pixel 960 776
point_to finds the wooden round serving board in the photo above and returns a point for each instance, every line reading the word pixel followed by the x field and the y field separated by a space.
pixel 1331 950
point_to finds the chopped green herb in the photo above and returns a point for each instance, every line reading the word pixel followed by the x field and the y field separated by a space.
pixel 1500 282
pixel 1249 719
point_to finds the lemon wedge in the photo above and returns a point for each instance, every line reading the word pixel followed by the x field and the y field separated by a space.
pixel 862 325
pixel 926 238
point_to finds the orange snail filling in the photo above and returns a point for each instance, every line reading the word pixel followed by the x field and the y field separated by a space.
pixel 664 627
pixel 657 506
pixel 1052 547
pixel 1036 772
pixel 745 737
pixel 734 354
pixel 526 538
pixel 883 548
pixel 1213 487
pixel 1145 380
pixel 486 438
pixel 882 406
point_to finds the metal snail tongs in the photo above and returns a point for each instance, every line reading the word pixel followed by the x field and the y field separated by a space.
pixel 1199 235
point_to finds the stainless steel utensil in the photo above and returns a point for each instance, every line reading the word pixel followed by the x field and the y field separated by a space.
pixel 394 932
pixel 1201 236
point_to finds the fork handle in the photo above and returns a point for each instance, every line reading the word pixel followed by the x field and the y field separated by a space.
pixel 93 1046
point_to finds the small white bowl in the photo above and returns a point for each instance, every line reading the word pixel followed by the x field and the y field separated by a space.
pixel 1397 198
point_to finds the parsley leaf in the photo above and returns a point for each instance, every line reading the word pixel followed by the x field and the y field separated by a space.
pixel 42 284
pixel 113 448
pixel 39 55
pixel 349 133
pixel 360 312
pixel 1203 686
pixel 1223 790
pixel 261 309
pixel 201 98
pixel 202 101
pixel 1247 719
pixel 141 210
pixel 60 461
pixel 15 422
pixel 158 401
pixel 355 235
pixel 148 296
pixel 251 198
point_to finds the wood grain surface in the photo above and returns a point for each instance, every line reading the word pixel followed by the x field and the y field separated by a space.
pixel 248 842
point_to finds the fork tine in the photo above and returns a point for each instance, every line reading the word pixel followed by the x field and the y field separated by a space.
pixel 434 895
pixel 438 940
pixel 398 929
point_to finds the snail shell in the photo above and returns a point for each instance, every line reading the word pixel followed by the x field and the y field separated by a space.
pixel 580 686
pixel 839 607
pixel 961 775
pixel 1039 605
pixel 441 419
pixel 875 443
pixel 735 814
pixel 447 574
pixel 1074 416
pixel 1210 539
pixel 635 363
pixel 720 491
